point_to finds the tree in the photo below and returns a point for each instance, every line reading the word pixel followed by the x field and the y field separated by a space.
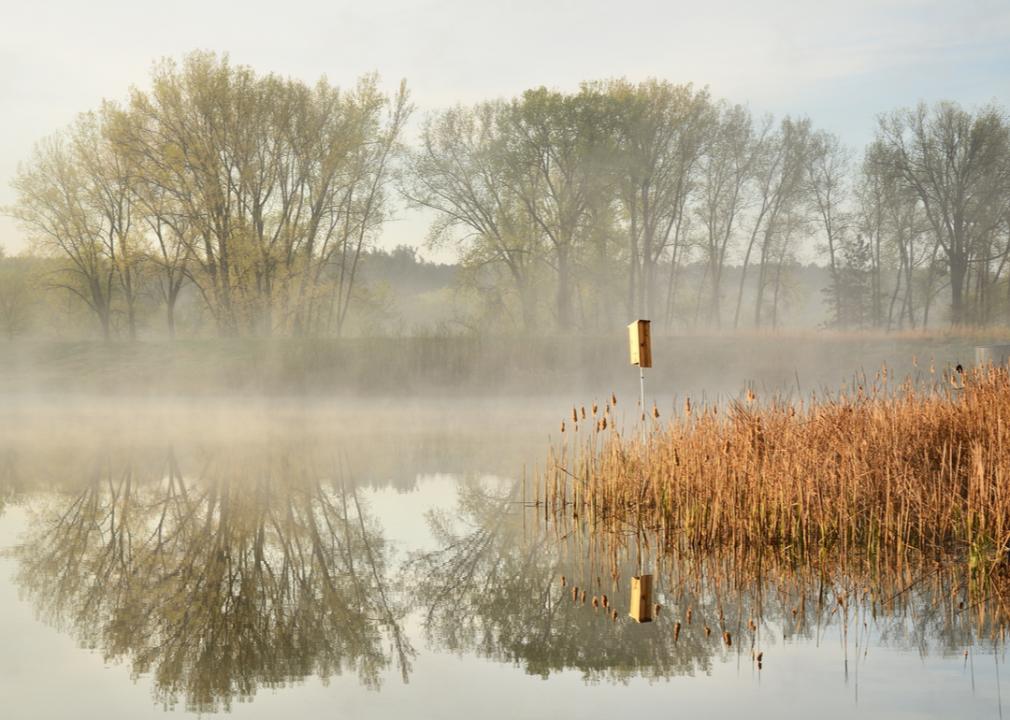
pixel 828 170
pixel 56 204
pixel 958 163
pixel 779 181
pixel 661 132
pixel 726 169
pixel 554 146
pixel 270 189
pixel 459 171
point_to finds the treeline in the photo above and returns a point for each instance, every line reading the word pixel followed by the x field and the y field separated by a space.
pixel 259 196
pixel 260 192
pixel 598 201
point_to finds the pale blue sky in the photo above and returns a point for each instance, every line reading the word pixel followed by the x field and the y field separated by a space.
pixel 841 63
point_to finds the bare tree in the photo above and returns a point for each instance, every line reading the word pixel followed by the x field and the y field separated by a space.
pixel 460 172
pixel 725 170
pixel 958 163
pixel 828 171
pixel 779 176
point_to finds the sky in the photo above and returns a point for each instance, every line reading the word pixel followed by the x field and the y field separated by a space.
pixel 840 63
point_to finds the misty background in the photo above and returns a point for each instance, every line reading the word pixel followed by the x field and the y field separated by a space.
pixel 451 193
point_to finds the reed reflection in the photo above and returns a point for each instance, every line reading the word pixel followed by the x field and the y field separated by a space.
pixel 254 569
pixel 507 586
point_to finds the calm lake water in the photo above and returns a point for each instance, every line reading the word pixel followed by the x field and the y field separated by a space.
pixel 379 561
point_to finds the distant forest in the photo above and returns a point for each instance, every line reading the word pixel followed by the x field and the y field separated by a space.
pixel 222 202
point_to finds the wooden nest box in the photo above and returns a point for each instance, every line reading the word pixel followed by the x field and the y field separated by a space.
pixel 640 343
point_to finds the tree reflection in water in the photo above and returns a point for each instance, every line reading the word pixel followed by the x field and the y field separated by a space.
pixel 263 567
pixel 494 587
pixel 252 572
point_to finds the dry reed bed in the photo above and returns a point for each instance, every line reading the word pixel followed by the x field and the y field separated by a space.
pixel 876 469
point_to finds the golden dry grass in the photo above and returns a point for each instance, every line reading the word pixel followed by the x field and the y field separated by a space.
pixel 876 469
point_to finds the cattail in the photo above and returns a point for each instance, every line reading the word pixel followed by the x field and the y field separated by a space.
pixel 656 609
pixel 583 597
pixel 564 581
pixel 708 631
pixel 605 601
pixel 689 613
pixel 655 411
pixel 613 399
pixel 575 415
pixel 676 631
pixel 583 412
pixel 613 615
pixel 596 602
pixel 750 624
pixel 862 442
pixel 595 408
pixel 760 657
pixel 727 638
pixel 575 593
pixel 562 426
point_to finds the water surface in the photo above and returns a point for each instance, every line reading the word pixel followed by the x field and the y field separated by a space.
pixel 381 561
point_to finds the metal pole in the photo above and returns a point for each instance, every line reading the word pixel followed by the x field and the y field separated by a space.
pixel 641 395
